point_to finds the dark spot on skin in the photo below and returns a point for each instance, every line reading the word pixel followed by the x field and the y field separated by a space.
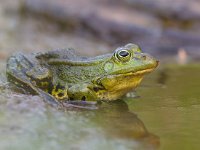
pixel 71 98
pixel 58 86
pixel 50 88
pixel 83 98
pixel 96 89
pixel 60 94
pixel 144 57
pixel 59 69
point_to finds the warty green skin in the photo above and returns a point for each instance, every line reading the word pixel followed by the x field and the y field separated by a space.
pixel 62 75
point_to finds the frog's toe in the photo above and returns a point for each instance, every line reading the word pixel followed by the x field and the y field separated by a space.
pixel 49 99
pixel 132 94
pixel 19 61
pixel 81 104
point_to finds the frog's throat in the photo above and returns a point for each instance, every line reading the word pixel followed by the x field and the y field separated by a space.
pixel 122 81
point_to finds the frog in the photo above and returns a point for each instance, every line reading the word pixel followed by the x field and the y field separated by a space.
pixel 61 75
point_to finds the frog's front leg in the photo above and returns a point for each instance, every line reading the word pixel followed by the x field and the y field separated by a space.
pixel 132 94
pixel 82 97
pixel 81 92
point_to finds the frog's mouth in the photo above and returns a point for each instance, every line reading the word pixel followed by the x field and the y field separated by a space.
pixel 135 72
pixel 141 72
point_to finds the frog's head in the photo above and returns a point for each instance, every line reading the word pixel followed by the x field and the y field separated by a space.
pixel 124 71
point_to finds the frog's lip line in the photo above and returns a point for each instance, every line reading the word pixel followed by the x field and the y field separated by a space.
pixel 139 72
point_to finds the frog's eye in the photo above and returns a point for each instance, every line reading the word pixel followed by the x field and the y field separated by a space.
pixel 123 55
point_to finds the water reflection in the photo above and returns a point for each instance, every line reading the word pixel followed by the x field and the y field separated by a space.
pixel 163 76
pixel 119 122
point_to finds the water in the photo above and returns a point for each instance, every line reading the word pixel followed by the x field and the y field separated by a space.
pixel 171 108
pixel 165 116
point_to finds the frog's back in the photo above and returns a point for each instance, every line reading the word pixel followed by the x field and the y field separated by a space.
pixel 58 53
pixel 69 56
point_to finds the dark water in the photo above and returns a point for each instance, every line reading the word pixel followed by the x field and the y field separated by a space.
pixel 165 116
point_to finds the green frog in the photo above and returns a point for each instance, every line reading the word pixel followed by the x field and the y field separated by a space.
pixel 61 75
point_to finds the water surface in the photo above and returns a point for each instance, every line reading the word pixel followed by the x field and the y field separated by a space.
pixel 170 105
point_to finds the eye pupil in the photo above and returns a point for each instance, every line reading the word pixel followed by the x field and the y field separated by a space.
pixel 123 53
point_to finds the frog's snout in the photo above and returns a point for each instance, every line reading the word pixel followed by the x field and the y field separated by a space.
pixel 148 59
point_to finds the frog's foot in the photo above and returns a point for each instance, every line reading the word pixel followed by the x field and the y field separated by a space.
pixel 81 104
pixel 17 67
pixel 49 99
pixel 132 94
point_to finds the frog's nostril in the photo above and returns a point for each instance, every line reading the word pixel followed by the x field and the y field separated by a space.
pixel 144 57
pixel 157 63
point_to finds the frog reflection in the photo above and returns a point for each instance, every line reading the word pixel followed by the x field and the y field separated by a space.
pixel 118 121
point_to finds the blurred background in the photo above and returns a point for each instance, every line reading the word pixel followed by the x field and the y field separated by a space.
pixel 161 27
pixel 169 102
